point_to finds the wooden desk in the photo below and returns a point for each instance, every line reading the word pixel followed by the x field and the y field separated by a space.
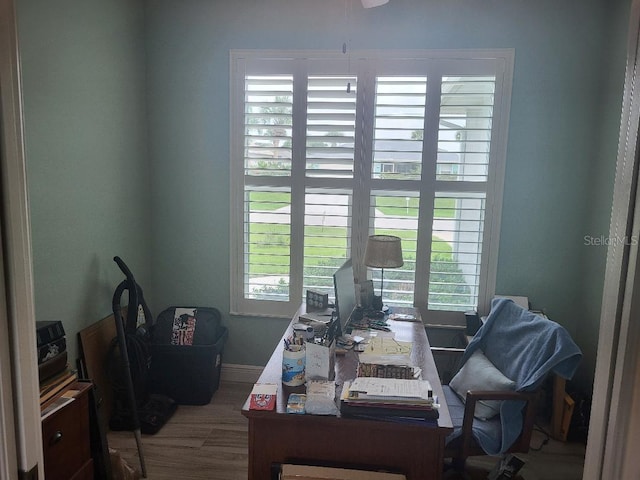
pixel 276 437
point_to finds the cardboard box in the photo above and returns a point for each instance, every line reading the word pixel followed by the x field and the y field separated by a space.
pixel 305 472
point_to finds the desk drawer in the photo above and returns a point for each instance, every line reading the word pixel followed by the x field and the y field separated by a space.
pixel 66 441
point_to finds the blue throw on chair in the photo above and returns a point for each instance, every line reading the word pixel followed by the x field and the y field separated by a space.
pixel 525 347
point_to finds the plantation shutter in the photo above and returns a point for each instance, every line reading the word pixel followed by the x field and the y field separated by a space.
pixel 331 120
pixel 462 169
pixel 325 153
pixel 330 157
pixel 268 120
pixel 399 123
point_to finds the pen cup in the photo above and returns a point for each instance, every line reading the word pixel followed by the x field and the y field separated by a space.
pixel 293 362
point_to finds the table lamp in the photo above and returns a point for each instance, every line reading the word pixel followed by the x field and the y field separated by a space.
pixel 383 251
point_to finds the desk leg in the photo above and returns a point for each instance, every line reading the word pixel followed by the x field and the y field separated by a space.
pixel 559 384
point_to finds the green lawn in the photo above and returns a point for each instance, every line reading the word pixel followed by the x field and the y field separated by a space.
pixel 268 201
pixel 390 206
pixel 326 248
pixel 323 246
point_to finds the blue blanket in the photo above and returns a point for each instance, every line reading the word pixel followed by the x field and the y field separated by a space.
pixel 525 347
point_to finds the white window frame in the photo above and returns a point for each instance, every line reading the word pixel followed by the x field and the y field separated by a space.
pixel 367 65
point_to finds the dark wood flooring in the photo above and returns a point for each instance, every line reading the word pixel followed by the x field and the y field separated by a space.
pixel 210 442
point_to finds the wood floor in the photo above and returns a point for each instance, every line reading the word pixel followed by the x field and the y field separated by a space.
pixel 210 442
pixel 198 442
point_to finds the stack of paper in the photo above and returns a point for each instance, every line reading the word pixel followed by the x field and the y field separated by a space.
pixel 318 316
pixel 386 357
pixel 390 390
pixel 321 398
pixel 53 386
pixel 388 397
pixel 386 351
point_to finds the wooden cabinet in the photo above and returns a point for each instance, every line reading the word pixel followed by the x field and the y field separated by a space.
pixel 66 439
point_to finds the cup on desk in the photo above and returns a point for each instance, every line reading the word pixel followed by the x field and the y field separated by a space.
pixel 293 363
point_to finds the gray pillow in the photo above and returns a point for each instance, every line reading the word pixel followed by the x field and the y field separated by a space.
pixel 478 373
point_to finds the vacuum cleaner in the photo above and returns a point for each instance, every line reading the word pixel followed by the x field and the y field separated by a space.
pixel 128 364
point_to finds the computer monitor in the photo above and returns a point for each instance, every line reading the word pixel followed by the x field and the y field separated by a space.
pixel 345 292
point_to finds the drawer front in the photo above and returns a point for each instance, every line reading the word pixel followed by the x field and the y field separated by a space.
pixel 66 441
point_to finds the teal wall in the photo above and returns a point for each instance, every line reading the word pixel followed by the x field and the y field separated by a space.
pixel 100 75
pixel 600 187
pixel 86 144
pixel 561 147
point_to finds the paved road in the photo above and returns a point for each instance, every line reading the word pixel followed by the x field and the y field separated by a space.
pixel 336 216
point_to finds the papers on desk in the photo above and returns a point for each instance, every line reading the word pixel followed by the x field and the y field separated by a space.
pixel 386 357
pixel 317 316
pixel 403 317
pixel 367 334
pixel 389 399
pixel 321 398
pixel 387 351
pixel 389 391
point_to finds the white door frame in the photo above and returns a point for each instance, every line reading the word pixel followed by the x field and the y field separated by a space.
pixel 8 456
pixel 612 441
pixel 21 425
pixel 613 431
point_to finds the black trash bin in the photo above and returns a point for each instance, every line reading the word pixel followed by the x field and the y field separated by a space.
pixel 186 354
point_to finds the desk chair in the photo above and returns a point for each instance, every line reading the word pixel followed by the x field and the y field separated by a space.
pixel 501 372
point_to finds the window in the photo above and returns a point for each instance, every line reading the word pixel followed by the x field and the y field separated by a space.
pixel 328 149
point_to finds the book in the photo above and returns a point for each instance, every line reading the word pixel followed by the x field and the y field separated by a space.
pixel 394 404
pixel 57 384
pixel 318 316
pixel 263 396
pixel 54 406
pixel 387 410
pixel 387 371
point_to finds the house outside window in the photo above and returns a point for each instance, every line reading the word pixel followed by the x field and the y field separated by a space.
pixel 330 148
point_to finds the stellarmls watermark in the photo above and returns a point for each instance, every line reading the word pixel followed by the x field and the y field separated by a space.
pixel 607 240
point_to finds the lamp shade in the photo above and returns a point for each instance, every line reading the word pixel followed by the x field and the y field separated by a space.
pixel 373 3
pixel 383 251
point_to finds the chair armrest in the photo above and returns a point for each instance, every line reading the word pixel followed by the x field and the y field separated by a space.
pixel 475 395
pixel 530 399
pixel 447 350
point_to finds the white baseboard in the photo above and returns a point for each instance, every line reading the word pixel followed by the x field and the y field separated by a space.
pixel 232 372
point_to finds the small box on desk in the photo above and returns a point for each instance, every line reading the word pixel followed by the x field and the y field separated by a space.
pixel 317 300
pixel 263 396
pixel 320 361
